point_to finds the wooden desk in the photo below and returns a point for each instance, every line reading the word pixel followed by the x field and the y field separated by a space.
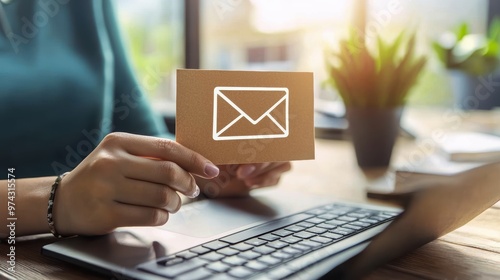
pixel 470 252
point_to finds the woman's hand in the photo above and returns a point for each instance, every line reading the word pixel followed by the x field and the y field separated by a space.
pixel 128 180
pixel 238 180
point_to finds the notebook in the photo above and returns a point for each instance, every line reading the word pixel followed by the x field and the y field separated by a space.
pixel 274 234
pixel 471 146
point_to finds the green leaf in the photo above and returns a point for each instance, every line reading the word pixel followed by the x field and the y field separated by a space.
pixel 462 30
pixel 408 78
pixel 392 49
pixel 342 85
pixel 383 54
pixel 382 79
pixel 494 30
pixel 440 52
pixel 492 49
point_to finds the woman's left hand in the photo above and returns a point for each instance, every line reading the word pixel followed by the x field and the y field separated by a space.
pixel 239 179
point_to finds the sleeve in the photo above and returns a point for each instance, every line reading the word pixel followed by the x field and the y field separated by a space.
pixel 132 112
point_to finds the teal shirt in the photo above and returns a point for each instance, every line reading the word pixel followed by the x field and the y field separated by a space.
pixel 65 82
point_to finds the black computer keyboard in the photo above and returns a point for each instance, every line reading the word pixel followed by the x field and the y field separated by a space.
pixel 264 248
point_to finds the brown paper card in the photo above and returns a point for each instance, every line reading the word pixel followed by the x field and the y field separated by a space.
pixel 235 117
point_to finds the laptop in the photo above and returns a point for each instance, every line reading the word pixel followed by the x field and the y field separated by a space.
pixel 273 234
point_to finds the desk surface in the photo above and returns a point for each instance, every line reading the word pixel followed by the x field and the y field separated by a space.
pixel 470 252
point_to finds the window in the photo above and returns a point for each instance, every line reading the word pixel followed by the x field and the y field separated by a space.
pixel 154 30
pixel 291 35
pixel 268 57
pixel 284 35
pixel 281 35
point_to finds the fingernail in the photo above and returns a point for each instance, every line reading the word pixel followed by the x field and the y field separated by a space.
pixel 246 171
pixel 196 192
pixel 211 170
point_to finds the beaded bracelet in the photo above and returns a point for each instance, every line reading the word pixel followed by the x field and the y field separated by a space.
pixel 50 218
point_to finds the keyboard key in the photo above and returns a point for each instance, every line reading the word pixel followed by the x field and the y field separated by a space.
pixel 291 239
pixel 177 269
pixel 322 240
pixel 367 212
pixel 326 226
pixel 385 217
pixel 218 267
pixel 346 218
pixel 269 260
pixel 304 234
pixel 336 222
pixel 199 250
pixel 360 224
pixel 351 227
pixel 309 243
pixel 291 251
pixel 264 250
pixel 281 255
pixel 369 221
pixel 212 256
pixel 167 258
pixel 338 212
pixel 240 272
pixel 256 242
pixel 315 221
pixel 277 244
pixel 305 224
pixel 228 251
pixel 249 255
pixel 294 228
pixel 300 247
pixel 186 255
pixel 358 215
pixel 328 216
pixel 269 237
pixel 343 231
pixel 215 245
pixel 332 235
pixel 377 218
pixel 282 232
pixel 255 265
pixel 242 247
pixel 317 230
pixel 172 261
pixel 350 209
pixel 391 214
pixel 197 274
pixel 234 261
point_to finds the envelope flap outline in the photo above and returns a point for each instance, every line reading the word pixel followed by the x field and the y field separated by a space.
pixel 218 91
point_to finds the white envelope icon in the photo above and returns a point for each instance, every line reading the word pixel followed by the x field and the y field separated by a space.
pixel 250 113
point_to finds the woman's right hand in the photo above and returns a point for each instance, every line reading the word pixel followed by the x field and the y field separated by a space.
pixel 128 180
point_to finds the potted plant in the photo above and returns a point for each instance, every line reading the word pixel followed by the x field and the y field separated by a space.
pixel 374 86
pixel 469 58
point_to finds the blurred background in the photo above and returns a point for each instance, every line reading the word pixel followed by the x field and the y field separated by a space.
pixel 284 35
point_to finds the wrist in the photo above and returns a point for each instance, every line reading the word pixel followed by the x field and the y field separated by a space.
pixel 51 205
pixel 32 195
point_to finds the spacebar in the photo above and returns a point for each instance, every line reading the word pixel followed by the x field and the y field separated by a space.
pixel 267 227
